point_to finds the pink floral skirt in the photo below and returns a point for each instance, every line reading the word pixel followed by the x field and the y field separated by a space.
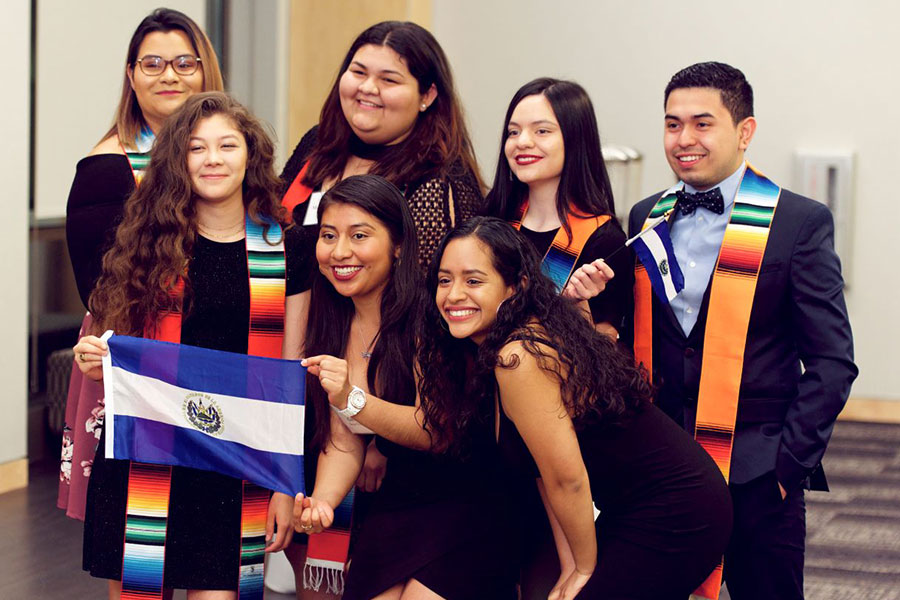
pixel 81 434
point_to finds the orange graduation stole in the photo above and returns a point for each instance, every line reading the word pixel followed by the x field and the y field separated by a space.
pixel 561 256
pixel 298 192
pixel 728 318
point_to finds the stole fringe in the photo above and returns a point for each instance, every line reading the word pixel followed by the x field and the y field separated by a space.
pixel 315 575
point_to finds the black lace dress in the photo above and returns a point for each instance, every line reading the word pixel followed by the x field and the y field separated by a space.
pixel 433 206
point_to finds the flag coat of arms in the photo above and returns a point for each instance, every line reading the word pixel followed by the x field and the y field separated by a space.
pixel 185 406
pixel 653 247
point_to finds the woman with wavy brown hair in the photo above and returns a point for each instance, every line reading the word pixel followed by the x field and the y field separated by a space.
pixel 209 193
pixel 169 58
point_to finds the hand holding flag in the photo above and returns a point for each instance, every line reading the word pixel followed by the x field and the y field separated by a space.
pixel 653 247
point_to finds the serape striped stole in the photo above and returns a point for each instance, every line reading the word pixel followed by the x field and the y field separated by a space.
pixel 147 506
pixel 139 158
pixel 326 553
pixel 562 255
pixel 728 319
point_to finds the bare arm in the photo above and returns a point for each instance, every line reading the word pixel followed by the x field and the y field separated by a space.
pixel 338 467
pixel 531 399
pixel 296 311
pixel 340 462
pixel 398 423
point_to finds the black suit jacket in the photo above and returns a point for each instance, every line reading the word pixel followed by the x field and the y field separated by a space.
pixel 798 360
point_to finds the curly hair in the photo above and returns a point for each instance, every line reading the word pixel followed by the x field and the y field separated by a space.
pixel 390 373
pixel 599 383
pixel 439 140
pixel 155 241
pixel 584 183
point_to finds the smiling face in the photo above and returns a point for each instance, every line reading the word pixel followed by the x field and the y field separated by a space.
pixel 217 160
pixel 534 144
pixel 470 290
pixel 703 144
pixel 161 95
pixel 354 251
pixel 379 96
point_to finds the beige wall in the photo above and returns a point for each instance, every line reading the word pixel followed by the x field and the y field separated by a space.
pixel 15 28
pixel 824 74
pixel 321 33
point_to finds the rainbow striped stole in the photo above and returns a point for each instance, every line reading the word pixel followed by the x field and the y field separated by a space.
pixel 140 158
pixel 147 507
pixel 728 319
pixel 560 258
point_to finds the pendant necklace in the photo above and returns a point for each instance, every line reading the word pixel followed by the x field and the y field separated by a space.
pixel 367 348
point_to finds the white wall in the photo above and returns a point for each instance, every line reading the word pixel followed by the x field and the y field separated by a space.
pixel 15 43
pixel 824 74
pixel 258 62
pixel 81 49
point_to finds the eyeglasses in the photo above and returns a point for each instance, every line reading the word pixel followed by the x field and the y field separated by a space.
pixel 152 65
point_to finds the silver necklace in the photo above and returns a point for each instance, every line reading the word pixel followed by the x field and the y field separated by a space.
pixel 367 348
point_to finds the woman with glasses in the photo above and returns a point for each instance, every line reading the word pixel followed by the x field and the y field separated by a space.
pixel 169 58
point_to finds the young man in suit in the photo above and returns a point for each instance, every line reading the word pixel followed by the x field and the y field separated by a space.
pixel 757 347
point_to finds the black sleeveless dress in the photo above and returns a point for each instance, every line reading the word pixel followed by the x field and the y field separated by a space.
pixel 665 511
pixel 443 521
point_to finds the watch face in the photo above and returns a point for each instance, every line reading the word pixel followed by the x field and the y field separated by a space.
pixel 357 399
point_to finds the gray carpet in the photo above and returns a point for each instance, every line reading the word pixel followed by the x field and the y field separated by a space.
pixel 853 541
pixel 853 532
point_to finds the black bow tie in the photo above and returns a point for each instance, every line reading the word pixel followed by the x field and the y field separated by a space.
pixel 710 200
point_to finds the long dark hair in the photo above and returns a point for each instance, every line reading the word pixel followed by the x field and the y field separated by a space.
pixel 129 119
pixel 599 383
pixel 584 183
pixel 439 138
pixel 155 241
pixel 390 373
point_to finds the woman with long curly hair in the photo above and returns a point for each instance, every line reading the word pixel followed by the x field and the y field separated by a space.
pixel 209 194
pixel 169 58
pixel 569 408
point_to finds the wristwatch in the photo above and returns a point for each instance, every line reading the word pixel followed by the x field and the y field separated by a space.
pixel 356 401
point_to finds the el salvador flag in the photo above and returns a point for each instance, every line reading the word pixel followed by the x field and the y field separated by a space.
pixel 185 406
pixel 653 247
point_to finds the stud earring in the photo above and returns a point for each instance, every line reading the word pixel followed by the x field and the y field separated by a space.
pixel 424 106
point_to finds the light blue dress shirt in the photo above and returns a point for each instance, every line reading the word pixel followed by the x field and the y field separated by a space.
pixel 696 239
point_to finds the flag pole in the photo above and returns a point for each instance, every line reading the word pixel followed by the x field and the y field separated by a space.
pixel 631 240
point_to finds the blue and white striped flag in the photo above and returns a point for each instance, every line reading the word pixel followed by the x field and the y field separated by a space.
pixel 181 405
pixel 653 247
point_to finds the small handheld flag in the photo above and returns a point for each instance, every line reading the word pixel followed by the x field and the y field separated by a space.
pixel 653 247
pixel 180 405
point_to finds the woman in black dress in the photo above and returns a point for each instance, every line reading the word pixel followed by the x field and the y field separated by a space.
pixel 151 91
pixel 435 526
pixel 572 410
pixel 551 182
pixel 210 183
pixel 392 111
pixel 551 164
